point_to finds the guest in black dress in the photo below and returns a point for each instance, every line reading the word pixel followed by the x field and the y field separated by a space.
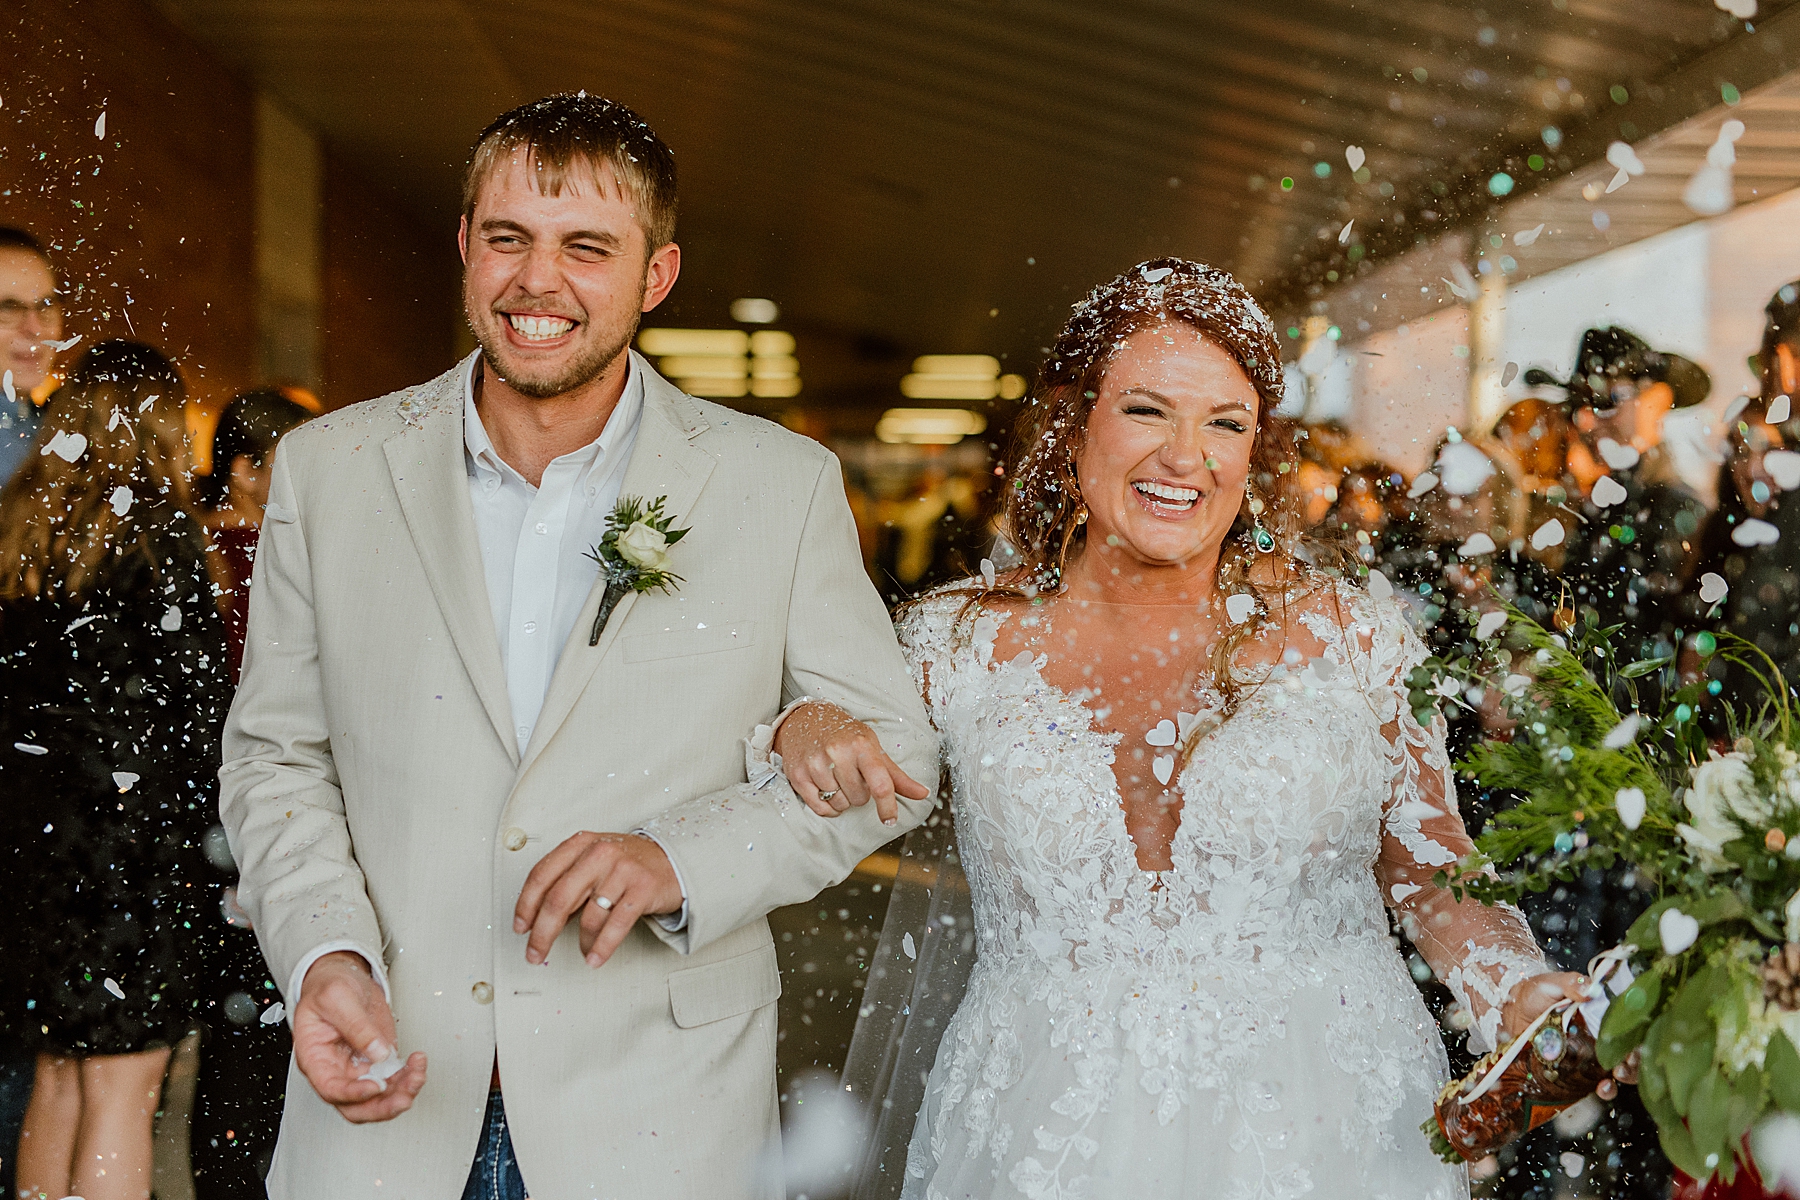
pixel 113 688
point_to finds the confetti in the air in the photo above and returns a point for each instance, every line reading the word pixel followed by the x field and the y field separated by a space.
pixel 112 985
pixel 1713 587
pixel 1509 373
pixel 1463 468
pixel 1783 467
pixel 1756 533
pixel 1527 236
pixel 1710 190
pixel 1608 492
pixel 906 945
pixel 171 619
pixel 1622 156
pixel 1163 767
pixel 1743 10
pixel 124 780
pixel 1617 455
pixel 1549 534
pixel 1354 156
pixel 987 572
pixel 28 748
pixel 272 1015
pixel 1629 804
pixel 120 500
pixel 1163 734
pixel 1478 543
pixel 1239 606
pixel 1678 930
pixel 1344 233
pixel 100 125
pixel 1622 734
pixel 66 446
pixel 1424 483
pixel 1572 1163
pixel 1490 624
pixel 1779 409
pixel 1380 586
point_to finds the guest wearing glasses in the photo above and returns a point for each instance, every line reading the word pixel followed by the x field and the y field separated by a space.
pixel 30 322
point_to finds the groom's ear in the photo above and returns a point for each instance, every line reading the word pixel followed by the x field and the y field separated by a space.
pixel 462 239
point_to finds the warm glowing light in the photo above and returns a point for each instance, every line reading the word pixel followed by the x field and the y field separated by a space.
pixel 771 387
pixel 661 342
pixel 771 342
pixel 957 366
pixel 774 366
pixel 929 426
pixel 690 366
pixel 754 310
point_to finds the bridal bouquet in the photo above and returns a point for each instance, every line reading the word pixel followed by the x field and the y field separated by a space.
pixel 1706 989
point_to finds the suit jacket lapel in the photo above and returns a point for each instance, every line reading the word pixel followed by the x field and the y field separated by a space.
pixel 431 478
pixel 664 462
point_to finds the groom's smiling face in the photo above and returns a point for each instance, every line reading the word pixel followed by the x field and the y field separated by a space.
pixel 554 285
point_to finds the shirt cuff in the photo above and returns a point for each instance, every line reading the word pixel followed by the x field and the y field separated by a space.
pixel 674 922
pixel 298 978
pixel 761 764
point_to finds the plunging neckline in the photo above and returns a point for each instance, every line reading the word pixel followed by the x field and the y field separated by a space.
pixel 1110 740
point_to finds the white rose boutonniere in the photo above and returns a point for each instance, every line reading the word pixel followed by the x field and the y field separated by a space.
pixel 634 554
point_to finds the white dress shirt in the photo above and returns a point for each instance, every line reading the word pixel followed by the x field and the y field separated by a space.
pixel 534 547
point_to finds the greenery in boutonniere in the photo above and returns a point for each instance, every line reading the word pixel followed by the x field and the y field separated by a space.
pixel 634 554
pixel 1614 773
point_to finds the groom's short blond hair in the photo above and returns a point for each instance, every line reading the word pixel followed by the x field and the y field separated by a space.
pixel 574 129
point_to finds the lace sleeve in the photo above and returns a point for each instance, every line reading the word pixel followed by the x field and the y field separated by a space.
pixel 1480 951
pixel 927 631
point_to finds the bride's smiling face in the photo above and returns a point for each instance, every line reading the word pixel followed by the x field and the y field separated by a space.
pixel 1167 451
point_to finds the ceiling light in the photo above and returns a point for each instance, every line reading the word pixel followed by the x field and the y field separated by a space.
pixel 754 310
pixel 714 366
pixel 957 366
pixel 946 387
pixel 928 426
pixel 713 385
pixel 775 386
pixel 1012 387
pixel 660 342
pixel 771 341
pixel 774 366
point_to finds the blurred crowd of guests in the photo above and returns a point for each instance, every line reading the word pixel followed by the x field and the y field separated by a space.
pixel 130 982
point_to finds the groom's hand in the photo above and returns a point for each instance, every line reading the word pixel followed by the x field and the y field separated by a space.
pixel 342 1024
pixel 610 879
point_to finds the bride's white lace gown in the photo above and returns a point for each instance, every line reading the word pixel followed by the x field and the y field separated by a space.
pixel 1242 1025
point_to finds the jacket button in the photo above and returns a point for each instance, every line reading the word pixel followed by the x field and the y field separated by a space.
pixel 513 839
pixel 483 992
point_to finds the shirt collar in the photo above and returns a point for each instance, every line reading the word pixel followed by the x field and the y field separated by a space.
pixel 619 425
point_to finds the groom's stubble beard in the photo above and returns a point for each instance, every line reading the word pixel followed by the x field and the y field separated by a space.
pixel 588 365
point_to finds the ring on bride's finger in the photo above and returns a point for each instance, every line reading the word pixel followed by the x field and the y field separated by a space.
pixel 602 902
pixel 827 795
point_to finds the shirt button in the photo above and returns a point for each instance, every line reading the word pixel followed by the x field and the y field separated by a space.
pixel 531 627
pixel 542 528
pixel 524 731
pixel 483 992
pixel 513 839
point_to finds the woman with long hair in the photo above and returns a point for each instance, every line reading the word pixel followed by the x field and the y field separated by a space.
pixel 1188 788
pixel 113 690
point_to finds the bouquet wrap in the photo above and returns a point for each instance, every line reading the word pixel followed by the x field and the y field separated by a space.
pixel 1512 1091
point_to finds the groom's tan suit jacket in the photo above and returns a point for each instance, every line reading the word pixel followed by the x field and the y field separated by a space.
pixel 374 793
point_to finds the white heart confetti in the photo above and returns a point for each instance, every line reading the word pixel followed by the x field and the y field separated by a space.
pixel 1163 766
pixel 1622 156
pixel 1713 587
pixel 1158 274
pixel 1571 1163
pixel 1608 492
pixel 124 780
pixel 112 985
pixel 1239 607
pixel 1344 233
pixel 66 446
pixel 1743 10
pixel 1478 543
pixel 1678 930
pixel 1550 533
pixel 120 500
pixel 272 1015
pixel 1618 456
pixel 1424 483
pixel 1163 734
pixel 1402 892
pixel 1756 533
pixel 987 572
pixel 1629 804
pixel 1622 734
pixel 171 619
pixel 1355 157
pixel 1508 373
pixel 100 124
pixel 1779 409
pixel 1783 467
pixel 906 945
pixel 1527 236
pixel 1185 723
pixel 1380 586
pixel 1489 624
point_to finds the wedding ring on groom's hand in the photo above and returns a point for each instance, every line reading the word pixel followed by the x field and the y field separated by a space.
pixel 602 902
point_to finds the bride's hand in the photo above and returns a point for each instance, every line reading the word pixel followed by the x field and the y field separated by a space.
pixel 836 763
pixel 1530 997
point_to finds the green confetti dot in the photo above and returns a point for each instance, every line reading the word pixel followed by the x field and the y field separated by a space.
pixel 1729 94
pixel 1535 162
pixel 1322 170
pixel 1287 183
pixel 1683 713
pixel 1501 184
pixel 1618 93
pixel 1706 643
pixel 1564 843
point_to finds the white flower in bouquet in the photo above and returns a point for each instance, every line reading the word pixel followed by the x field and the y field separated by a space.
pixel 1721 786
pixel 645 546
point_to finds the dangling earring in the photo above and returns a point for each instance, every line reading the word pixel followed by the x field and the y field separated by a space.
pixel 1081 515
pixel 1260 537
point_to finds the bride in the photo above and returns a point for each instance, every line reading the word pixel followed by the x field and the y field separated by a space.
pixel 1186 783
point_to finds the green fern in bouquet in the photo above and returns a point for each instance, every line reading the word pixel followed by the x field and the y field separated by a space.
pixel 1614 768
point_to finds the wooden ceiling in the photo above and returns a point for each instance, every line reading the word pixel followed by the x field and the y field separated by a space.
pixel 949 175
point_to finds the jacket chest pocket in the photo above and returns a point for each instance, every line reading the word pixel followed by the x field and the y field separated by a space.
pixel 680 643
pixel 732 986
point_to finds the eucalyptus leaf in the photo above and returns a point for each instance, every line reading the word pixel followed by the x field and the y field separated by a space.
pixel 1643 667
pixel 1707 1116
pixel 1781 1063
pixel 1630 1013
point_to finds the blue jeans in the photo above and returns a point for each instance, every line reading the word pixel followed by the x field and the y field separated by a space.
pixel 495 1172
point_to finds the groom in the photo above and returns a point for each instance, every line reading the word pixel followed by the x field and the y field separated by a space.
pixel 429 746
